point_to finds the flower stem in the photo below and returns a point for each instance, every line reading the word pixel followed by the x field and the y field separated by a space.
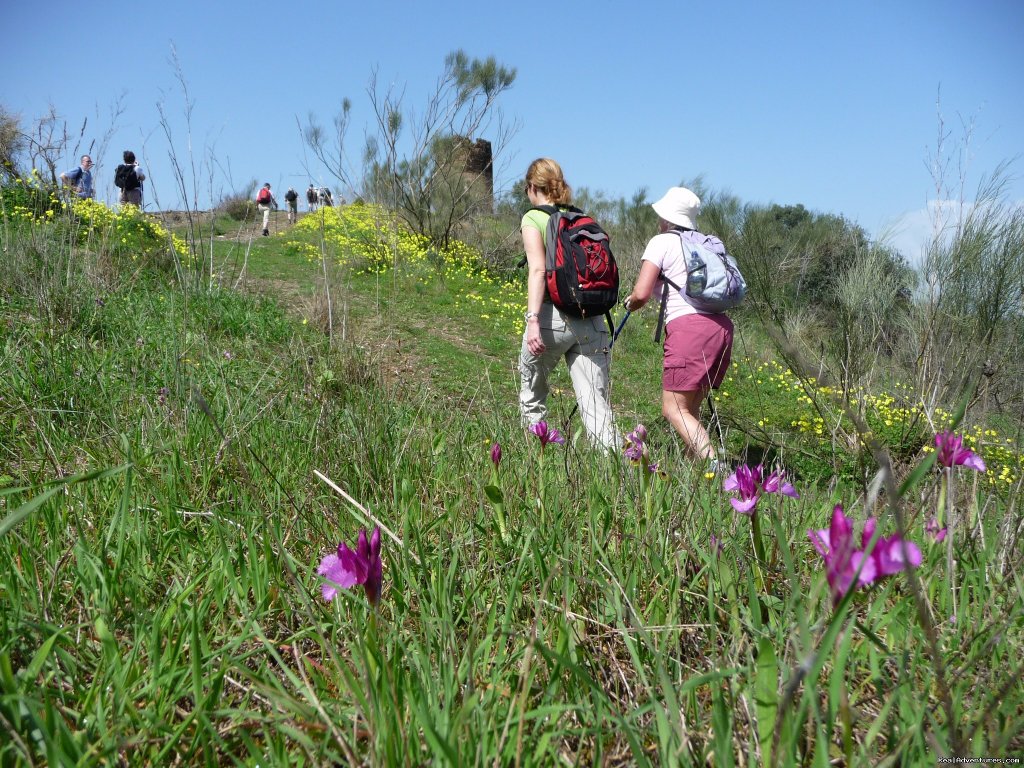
pixel 540 487
pixel 762 562
pixel 947 482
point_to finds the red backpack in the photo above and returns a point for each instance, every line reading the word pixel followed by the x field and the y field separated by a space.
pixel 580 271
pixel 263 197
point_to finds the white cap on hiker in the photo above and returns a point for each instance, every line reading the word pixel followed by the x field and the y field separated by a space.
pixel 679 206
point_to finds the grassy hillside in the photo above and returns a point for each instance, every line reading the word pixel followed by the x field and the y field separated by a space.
pixel 169 422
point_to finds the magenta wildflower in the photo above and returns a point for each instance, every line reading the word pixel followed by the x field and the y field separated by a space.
pixel 716 545
pixel 777 483
pixel 638 435
pixel 347 568
pixel 546 435
pixel 847 563
pixel 750 483
pixel 634 446
pixel 933 530
pixel 496 454
pixel 951 451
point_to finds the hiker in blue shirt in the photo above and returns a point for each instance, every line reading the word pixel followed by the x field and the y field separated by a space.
pixel 80 178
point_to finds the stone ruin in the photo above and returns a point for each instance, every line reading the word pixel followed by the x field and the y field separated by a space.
pixel 478 170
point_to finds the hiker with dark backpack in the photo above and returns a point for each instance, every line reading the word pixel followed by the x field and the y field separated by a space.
pixel 695 280
pixel 291 199
pixel 311 198
pixel 571 286
pixel 128 178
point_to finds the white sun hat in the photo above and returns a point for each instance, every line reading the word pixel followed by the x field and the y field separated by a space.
pixel 679 206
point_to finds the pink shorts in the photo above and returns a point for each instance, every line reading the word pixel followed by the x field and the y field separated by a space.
pixel 698 349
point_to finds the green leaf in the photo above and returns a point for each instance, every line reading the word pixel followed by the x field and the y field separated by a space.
pixel 766 696
pixel 721 724
pixel 494 494
pixel 30 506
pixel 39 658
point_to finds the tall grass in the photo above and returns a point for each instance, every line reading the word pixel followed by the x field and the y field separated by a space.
pixel 161 521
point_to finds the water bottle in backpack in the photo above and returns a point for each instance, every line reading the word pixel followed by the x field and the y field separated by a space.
pixel 696 275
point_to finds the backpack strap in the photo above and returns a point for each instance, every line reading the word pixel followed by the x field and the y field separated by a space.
pixel 553 211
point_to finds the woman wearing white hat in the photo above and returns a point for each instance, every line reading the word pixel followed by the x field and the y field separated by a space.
pixel 698 345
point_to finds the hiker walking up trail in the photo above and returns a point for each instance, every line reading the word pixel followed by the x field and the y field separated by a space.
pixel 128 177
pixel 265 202
pixel 552 333
pixel 311 198
pixel 291 199
pixel 698 344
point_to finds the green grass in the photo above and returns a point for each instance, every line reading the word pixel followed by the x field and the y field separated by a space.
pixel 161 522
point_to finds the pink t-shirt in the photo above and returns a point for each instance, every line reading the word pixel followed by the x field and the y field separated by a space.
pixel 666 252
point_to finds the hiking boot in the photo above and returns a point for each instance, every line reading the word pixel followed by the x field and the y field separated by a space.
pixel 266 233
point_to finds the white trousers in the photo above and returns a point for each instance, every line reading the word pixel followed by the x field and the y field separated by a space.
pixel 583 342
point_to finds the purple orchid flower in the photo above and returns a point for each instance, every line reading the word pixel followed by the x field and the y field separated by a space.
pixel 951 451
pixel 496 454
pixel 347 568
pixel 633 451
pixel 715 545
pixel 933 530
pixel 847 566
pixel 747 483
pixel 777 483
pixel 546 435
pixel 750 483
pixel 634 446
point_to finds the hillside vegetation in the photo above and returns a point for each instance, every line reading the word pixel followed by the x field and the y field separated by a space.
pixel 190 424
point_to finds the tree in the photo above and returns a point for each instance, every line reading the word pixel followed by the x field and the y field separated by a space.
pixel 426 165
pixel 12 145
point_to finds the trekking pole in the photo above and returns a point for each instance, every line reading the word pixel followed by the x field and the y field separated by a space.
pixel 618 330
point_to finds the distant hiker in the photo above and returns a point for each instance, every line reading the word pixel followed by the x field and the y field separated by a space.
pixel 326 198
pixel 128 178
pixel 698 344
pixel 80 179
pixel 552 333
pixel 311 197
pixel 291 198
pixel 265 202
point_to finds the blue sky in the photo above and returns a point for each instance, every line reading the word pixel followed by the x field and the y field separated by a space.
pixel 832 105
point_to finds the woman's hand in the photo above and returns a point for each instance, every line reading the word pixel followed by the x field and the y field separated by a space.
pixel 534 343
pixel 645 282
